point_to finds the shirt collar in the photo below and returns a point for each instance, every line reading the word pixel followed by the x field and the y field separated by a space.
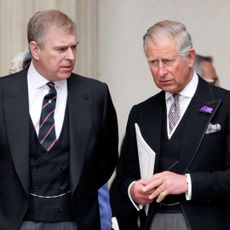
pixel 37 81
pixel 189 90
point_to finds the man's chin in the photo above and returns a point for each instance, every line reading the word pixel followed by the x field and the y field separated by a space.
pixel 169 88
pixel 64 76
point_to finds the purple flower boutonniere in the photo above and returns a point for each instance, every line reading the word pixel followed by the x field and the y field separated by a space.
pixel 206 109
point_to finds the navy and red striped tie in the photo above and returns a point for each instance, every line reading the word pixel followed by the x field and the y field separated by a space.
pixel 47 136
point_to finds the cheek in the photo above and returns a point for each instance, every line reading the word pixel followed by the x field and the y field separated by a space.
pixel 54 62
pixel 176 70
pixel 46 60
pixel 179 73
pixel 182 79
pixel 51 65
pixel 155 80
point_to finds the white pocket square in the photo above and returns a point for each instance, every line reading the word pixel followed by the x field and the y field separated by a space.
pixel 213 128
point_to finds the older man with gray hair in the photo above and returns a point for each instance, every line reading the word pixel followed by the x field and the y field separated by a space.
pixel 187 127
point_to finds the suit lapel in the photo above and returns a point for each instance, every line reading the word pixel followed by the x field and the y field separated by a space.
pixel 16 111
pixel 80 122
pixel 197 124
pixel 151 128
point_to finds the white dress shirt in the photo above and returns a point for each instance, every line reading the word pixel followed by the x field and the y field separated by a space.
pixel 185 97
pixel 37 89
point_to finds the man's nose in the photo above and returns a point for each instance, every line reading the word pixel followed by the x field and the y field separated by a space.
pixel 70 54
pixel 162 69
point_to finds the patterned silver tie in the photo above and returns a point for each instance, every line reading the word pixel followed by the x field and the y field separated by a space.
pixel 174 112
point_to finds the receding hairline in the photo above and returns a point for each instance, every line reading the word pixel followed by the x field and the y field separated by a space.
pixel 171 30
pixel 166 28
pixel 42 21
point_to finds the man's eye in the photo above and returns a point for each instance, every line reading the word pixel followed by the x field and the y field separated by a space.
pixel 61 49
pixel 168 62
pixel 74 47
pixel 155 63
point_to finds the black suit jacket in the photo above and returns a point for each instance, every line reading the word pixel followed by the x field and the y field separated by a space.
pixel 93 147
pixel 206 157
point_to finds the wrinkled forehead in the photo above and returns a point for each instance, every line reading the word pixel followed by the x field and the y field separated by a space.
pixel 166 46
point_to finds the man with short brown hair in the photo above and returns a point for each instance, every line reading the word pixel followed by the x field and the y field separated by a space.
pixel 58 135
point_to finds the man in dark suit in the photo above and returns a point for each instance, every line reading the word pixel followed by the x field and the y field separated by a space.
pixel 122 208
pixel 187 125
pixel 50 180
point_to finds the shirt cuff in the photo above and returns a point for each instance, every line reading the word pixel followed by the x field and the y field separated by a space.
pixel 188 194
pixel 138 207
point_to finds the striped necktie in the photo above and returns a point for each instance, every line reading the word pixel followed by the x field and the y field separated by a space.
pixel 47 137
pixel 174 112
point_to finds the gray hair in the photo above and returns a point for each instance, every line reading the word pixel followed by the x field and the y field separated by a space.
pixel 41 22
pixel 171 30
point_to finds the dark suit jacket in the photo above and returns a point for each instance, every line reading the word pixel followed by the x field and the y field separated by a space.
pixel 205 156
pixel 125 212
pixel 123 209
pixel 93 148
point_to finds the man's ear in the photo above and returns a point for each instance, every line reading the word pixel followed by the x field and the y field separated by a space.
pixel 34 50
pixel 191 57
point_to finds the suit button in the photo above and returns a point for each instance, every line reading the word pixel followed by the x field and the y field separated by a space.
pixel 60 210
pixel 60 188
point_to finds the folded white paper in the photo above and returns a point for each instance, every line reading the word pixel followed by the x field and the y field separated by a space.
pixel 146 155
pixel 146 159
